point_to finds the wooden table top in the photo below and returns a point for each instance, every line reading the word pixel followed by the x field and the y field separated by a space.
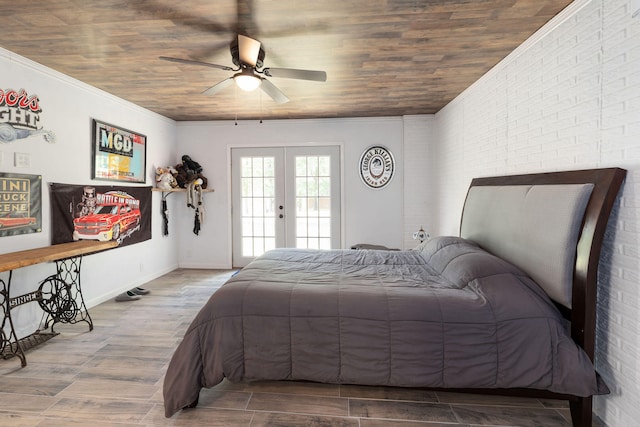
pixel 13 260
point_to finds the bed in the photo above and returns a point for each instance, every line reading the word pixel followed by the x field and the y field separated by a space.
pixel 508 306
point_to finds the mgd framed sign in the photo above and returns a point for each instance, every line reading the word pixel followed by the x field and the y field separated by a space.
pixel 118 154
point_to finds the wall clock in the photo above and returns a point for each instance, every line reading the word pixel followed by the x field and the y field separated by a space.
pixel 377 166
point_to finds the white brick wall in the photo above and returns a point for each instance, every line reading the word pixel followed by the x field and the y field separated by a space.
pixel 418 177
pixel 568 98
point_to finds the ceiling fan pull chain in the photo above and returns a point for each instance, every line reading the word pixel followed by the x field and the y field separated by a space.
pixel 260 107
pixel 235 92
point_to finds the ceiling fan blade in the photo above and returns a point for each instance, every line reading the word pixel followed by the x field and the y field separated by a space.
pixel 160 10
pixel 245 22
pixel 275 93
pixel 218 87
pixel 249 50
pixel 192 62
pixel 210 52
pixel 291 73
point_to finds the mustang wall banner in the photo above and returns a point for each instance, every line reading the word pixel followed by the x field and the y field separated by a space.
pixel 20 204
pixel 94 212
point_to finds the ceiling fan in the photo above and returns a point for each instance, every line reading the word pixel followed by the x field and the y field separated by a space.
pixel 248 56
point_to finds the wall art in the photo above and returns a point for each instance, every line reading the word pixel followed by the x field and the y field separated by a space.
pixel 118 154
pixel 20 115
pixel 377 167
pixel 20 204
pixel 92 212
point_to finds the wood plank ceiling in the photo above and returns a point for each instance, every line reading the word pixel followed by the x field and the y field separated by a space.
pixel 382 57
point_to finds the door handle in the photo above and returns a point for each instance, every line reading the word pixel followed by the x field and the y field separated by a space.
pixel 280 216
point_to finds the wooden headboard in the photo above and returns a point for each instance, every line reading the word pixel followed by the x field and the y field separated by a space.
pixel 582 312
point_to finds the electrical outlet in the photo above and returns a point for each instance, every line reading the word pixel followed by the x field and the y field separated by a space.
pixel 21 160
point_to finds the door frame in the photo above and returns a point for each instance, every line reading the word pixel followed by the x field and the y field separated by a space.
pixel 230 146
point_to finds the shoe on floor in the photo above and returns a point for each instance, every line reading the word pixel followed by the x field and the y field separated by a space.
pixel 139 291
pixel 127 296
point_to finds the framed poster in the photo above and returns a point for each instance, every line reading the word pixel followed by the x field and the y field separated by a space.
pixel 118 154
pixel 20 204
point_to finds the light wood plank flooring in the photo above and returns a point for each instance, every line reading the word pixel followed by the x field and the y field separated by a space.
pixel 113 376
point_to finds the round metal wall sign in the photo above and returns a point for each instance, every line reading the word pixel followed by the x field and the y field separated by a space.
pixel 377 166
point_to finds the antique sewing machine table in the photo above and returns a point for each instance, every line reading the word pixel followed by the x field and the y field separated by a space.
pixel 59 295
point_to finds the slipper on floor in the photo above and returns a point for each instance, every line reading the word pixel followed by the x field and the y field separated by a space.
pixel 139 291
pixel 127 296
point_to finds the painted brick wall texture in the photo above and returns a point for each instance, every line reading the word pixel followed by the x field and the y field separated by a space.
pixel 568 98
pixel 418 174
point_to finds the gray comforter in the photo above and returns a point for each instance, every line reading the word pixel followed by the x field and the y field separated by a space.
pixel 445 315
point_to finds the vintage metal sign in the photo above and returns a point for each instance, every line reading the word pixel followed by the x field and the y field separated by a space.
pixel 377 166
pixel 20 204
pixel 20 116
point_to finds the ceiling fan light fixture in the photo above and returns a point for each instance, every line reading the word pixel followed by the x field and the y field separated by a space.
pixel 247 80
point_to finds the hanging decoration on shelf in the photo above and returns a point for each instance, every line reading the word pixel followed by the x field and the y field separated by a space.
pixel 194 201
pixel 165 217
pixel 165 180
pixel 194 182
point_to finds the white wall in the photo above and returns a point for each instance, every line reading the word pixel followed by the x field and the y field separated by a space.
pixel 369 216
pixel 419 177
pixel 67 109
pixel 568 98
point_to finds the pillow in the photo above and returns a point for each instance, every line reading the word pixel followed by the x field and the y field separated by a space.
pixel 461 261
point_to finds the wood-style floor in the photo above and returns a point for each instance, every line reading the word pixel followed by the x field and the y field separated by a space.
pixel 113 376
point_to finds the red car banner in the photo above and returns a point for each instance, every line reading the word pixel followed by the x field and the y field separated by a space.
pixel 20 204
pixel 94 212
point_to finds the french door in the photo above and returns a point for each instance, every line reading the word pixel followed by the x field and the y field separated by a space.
pixel 284 197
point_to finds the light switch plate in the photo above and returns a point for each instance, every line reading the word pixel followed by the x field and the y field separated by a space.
pixel 21 160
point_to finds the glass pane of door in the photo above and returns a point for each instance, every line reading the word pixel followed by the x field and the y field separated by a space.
pixel 258 201
pixel 313 201
pixel 257 194
pixel 313 198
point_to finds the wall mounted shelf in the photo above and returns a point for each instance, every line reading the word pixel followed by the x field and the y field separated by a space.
pixel 165 193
